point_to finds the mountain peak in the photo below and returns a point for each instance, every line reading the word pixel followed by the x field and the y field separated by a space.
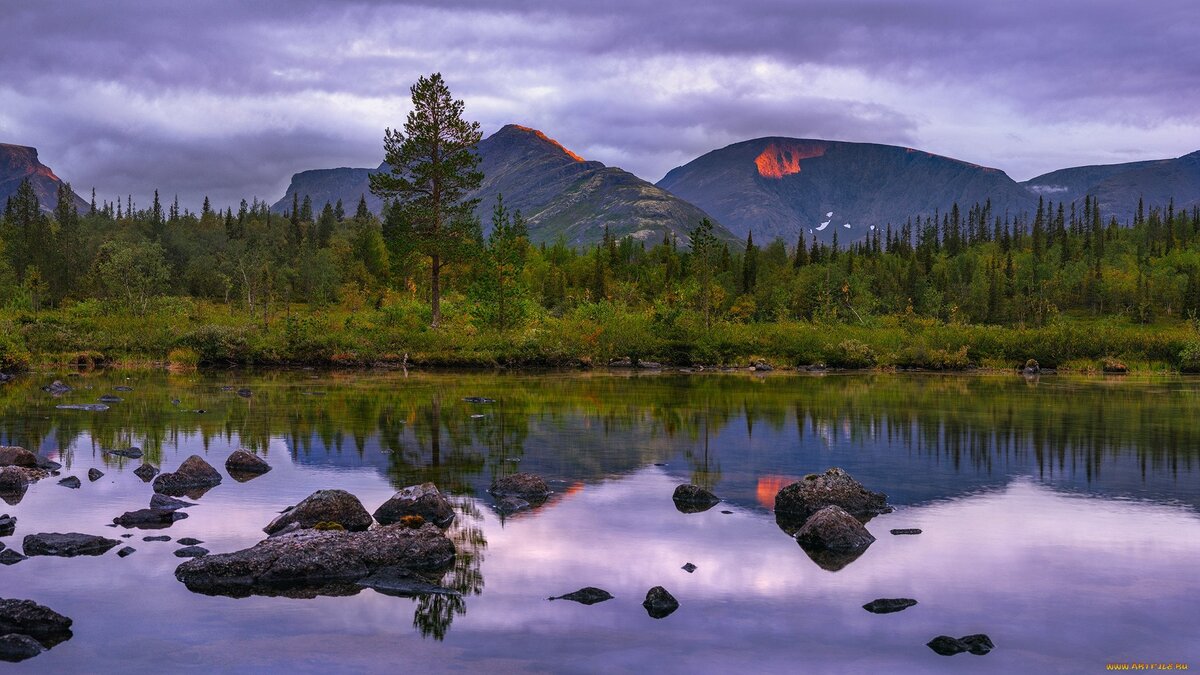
pixel 782 157
pixel 20 162
pixel 517 129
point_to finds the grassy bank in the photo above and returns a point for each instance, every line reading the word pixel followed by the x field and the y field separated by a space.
pixel 185 332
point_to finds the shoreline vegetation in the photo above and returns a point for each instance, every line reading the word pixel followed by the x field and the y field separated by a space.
pixel 424 284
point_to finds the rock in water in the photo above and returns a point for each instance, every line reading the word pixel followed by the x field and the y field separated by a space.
pixel 416 500
pixel 14 456
pixel 89 407
pixel 588 595
pixel 161 537
pixel 71 482
pixel 888 605
pixel 146 472
pixel 109 398
pixel 57 388
pixel 243 465
pixel 659 603
pixel 833 538
pixel 158 501
pixel 8 524
pixel 978 644
pixel 191 552
pixel 312 562
pixel 796 502
pixel 95 475
pixel 29 619
pixel 190 541
pixel 131 453
pixel 126 552
pixel 194 474
pixel 149 518
pixel 15 647
pixel 11 557
pixel 525 486
pixel 906 530
pixel 693 499
pixel 324 506
pixel 66 545
pixel 689 568
pixel 15 480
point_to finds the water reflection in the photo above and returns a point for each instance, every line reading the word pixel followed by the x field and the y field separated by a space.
pixel 971 458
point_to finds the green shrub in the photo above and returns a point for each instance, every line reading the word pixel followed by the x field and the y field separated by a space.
pixel 851 353
pixel 14 357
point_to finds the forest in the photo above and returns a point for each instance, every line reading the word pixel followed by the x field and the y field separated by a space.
pixel 323 285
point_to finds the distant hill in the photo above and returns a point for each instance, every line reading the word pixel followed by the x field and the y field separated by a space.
pixel 1117 187
pixel 778 187
pixel 558 192
pixel 18 162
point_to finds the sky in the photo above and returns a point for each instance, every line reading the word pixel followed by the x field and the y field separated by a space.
pixel 229 99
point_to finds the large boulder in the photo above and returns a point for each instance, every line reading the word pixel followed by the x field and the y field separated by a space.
pixel 193 475
pixel 66 545
pixel 693 499
pixel 416 500
pixel 796 502
pixel 308 563
pixel 11 455
pixel 324 506
pixel 243 465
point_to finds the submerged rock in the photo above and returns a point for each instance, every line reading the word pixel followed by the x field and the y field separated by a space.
pixel 693 499
pixel 416 500
pixel 244 393
pixel 15 480
pixel 243 466
pixel 167 503
pixel 659 603
pixel 796 502
pixel 47 464
pixel 161 537
pixel 67 545
pixel 190 541
pixel 888 605
pixel 402 582
pixel 194 474
pixel 131 453
pixel 71 482
pixel 149 518
pixel 8 524
pixel 109 398
pixel 689 568
pixel 126 551
pixel 479 399
pixel 95 474
pixel 324 506
pixel 146 472
pixel 588 595
pixel 15 647
pixel 122 388
pixel 978 644
pixel 16 456
pixel 57 388
pixel 906 530
pixel 312 562
pixel 11 557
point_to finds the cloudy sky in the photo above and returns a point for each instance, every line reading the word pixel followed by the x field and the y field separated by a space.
pixel 229 98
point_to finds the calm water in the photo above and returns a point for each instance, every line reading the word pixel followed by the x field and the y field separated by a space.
pixel 1060 517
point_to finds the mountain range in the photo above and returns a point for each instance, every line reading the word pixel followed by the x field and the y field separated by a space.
pixel 559 193
pixel 773 187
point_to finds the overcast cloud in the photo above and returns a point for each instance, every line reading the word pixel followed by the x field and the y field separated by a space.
pixel 229 99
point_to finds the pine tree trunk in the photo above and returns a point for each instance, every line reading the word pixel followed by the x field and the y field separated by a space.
pixel 435 298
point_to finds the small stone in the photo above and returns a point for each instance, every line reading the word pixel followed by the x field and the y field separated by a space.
pixel 908 530
pixel 161 537
pixel 149 518
pixel 191 552
pixel 146 472
pixel 70 482
pixel 110 398
pixel 693 499
pixel 888 605
pixel 127 535
pixel 978 644
pixel 244 393
pixel 689 568
pixel 245 462
pixel 66 545
pixel 479 399
pixel 527 486
pixel 131 453
pixel 95 474
pixel 128 550
pixel 588 595
pixel 11 557
pixel 8 524
pixel 166 503
pixel 190 541
pixel 15 647
pixel 659 603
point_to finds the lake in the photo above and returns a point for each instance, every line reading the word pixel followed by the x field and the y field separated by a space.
pixel 1059 517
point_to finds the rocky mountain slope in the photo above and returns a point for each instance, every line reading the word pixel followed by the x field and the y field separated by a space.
pixel 18 162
